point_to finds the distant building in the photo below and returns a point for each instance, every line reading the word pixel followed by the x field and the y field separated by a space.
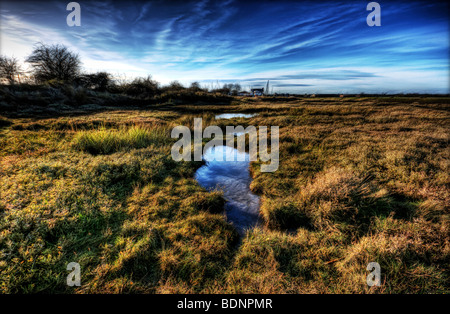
pixel 257 91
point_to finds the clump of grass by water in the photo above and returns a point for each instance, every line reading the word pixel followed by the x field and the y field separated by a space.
pixel 107 141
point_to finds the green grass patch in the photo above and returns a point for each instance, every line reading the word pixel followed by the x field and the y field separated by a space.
pixel 108 141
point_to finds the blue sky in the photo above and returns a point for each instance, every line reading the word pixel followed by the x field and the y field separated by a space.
pixel 300 46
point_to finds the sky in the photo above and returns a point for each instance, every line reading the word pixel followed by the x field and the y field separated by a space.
pixel 299 46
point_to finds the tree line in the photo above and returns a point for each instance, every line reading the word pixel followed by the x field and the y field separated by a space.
pixel 56 64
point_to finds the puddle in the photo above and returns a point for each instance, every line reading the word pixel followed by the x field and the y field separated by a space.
pixel 227 169
pixel 234 115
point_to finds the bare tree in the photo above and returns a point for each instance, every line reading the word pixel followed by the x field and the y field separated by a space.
pixel 54 62
pixel 10 69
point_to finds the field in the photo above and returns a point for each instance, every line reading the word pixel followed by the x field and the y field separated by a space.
pixel 361 179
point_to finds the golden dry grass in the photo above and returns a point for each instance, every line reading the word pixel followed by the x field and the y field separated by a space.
pixel 360 180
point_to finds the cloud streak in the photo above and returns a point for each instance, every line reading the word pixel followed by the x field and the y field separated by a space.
pixel 300 45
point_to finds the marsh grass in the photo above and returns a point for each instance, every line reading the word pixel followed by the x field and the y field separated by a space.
pixel 107 141
pixel 360 180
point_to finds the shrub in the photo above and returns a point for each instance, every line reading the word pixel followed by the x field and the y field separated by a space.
pixel 142 87
pixel 97 81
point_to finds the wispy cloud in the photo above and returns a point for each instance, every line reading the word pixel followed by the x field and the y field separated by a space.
pixel 299 45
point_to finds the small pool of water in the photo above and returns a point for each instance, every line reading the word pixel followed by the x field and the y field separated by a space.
pixel 234 115
pixel 227 169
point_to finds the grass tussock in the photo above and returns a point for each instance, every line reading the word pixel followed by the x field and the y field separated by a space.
pixel 107 141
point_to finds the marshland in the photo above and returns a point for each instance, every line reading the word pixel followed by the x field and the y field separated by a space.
pixel 360 179
pixel 92 200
